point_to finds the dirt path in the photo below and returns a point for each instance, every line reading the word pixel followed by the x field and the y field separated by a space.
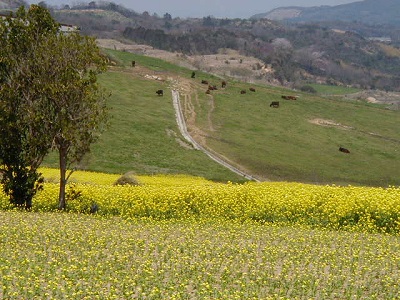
pixel 196 134
pixel 183 95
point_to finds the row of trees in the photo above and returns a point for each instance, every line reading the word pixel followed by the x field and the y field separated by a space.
pixel 49 99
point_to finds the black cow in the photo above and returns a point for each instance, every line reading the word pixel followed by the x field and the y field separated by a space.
pixel 243 92
pixel 193 74
pixel 160 92
pixel 274 104
pixel 204 82
pixel 133 63
pixel 344 150
pixel 252 89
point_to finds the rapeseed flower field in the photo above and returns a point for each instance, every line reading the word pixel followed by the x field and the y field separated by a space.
pixel 163 197
pixel 181 237
pixel 74 256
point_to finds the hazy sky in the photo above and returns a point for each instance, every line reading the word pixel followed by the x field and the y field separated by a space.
pixel 203 8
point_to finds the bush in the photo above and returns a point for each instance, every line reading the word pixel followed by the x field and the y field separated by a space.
pixel 308 89
pixel 127 178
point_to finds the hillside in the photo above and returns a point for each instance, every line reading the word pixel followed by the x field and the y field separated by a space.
pixel 367 11
pixel 298 141
pixel 294 54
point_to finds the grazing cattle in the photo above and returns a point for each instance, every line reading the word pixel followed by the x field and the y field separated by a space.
pixel 243 92
pixel 193 74
pixel 160 92
pixel 208 91
pixel 252 89
pixel 344 150
pixel 212 87
pixel 133 63
pixel 204 82
pixel 223 84
pixel 274 104
pixel 289 97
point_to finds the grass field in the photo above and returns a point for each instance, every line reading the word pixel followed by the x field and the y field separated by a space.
pixel 333 90
pixel 287 143
pixel 143 136
pixel 276 144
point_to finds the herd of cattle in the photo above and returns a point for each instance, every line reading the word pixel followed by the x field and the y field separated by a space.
pixel 213 87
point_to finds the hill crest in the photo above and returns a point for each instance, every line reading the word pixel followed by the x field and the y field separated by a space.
pixel 367 11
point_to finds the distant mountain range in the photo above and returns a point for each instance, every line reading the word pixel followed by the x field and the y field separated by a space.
pixel 331 45
pixel 371 12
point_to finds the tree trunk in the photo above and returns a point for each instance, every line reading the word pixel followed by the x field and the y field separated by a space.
pixel 62 204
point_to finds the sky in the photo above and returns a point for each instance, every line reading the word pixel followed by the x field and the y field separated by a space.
pixel 203 8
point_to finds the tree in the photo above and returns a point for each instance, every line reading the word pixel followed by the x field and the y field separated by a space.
pixel 167 17
pixel 49 98
pixel 77 108
pixel 24 139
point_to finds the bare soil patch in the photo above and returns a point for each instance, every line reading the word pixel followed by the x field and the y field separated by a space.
pixel 329 123
pixel 227 62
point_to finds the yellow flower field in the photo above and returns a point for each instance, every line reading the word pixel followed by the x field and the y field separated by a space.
pixel 179 197
pixel 181 237
pixel 75 256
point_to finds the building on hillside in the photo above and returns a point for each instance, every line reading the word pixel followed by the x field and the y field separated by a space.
pixel 64 28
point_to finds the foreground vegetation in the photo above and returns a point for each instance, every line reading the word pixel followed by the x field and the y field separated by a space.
pixel 184 237
pixel 70 256
pixel 181 197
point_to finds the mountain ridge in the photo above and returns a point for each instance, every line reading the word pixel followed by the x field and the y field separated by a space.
pixel 367 11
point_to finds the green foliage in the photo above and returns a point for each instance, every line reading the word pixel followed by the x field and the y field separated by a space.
pixel 49 96
pixel 77 108
pixel 308 89
pixel 24 137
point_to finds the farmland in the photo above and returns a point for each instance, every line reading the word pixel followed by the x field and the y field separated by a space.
pixel 70 256
pixel 191 229
pixel 185 237
pixel 179 197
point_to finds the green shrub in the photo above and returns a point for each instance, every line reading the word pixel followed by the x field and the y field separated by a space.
pixel 308 89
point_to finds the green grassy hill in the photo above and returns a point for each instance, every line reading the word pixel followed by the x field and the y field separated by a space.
pixel 298 141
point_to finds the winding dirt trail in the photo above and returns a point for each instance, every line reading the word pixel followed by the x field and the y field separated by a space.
pixel 186 114
pixel 196 136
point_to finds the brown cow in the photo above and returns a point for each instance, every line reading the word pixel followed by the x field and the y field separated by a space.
pixel 243 92
pixel 289 97
pixel 223 84
pixel 252 89
pixel 208 91
pixel 274 104
pixel 344 150
pixel 204 82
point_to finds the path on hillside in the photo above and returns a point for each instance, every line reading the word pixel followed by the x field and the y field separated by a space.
pixel 183 129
